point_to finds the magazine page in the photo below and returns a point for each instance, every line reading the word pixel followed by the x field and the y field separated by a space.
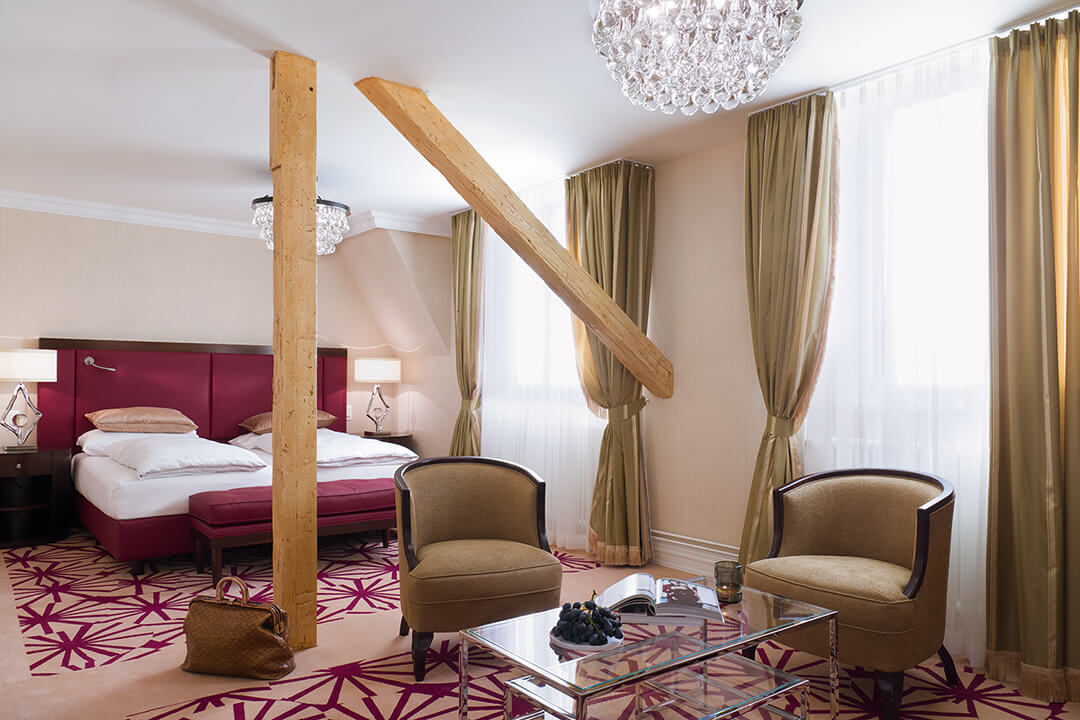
pixel 679 597
pixel 631 590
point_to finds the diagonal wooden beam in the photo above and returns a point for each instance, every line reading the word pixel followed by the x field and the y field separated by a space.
pixel 292 161
pixel 416 117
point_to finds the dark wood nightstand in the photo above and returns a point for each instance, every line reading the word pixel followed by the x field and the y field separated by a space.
pixel 405 439
pixel 36 498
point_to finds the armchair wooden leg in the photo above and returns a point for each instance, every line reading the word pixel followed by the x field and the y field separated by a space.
pixel 385 538
pixel 404 629
pixel 890 690
pixel 950 668
pixel 420 644
pixel 749 653
pixel 138 567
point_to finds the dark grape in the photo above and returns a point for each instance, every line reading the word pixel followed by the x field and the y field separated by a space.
pixel 586 623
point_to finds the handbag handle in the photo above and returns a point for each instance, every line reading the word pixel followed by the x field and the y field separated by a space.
pixel 232 578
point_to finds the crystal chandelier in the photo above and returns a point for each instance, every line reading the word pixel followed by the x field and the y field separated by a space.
pixel 330 222
pixel 691 55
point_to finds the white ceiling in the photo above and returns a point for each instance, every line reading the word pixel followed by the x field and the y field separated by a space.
pixel 163 104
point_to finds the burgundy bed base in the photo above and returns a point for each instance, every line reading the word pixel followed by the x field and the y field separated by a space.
pixel 217 386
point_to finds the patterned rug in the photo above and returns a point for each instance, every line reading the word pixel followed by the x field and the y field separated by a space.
pixel 78 609
pixel 384 689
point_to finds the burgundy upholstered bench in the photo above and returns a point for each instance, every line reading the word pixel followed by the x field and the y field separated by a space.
pixel 242 516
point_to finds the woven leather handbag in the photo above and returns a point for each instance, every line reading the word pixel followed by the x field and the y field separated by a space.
pixel 237 637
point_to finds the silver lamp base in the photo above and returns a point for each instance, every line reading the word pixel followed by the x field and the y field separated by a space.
pixel 377 408
pixel 20 421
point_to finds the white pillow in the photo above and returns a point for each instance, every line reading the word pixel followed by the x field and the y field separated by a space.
pixel 97 442
pixel 248 441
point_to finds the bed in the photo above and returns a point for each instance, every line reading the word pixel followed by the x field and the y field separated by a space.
pixel 216 386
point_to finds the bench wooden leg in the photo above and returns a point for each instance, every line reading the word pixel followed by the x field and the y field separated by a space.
pixel 200 559
pixel 385 537
pixel 215 562
pixel 138 567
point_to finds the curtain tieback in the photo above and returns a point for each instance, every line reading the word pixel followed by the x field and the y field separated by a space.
pixel 780 426
pixel 625 412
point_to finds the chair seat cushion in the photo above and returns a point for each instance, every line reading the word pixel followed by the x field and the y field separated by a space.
pixel 241 506
pixel 481 569
pixel 866 593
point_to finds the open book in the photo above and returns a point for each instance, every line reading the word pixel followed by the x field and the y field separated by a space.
pixel 642 593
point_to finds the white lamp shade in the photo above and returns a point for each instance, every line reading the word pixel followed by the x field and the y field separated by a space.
pixel 377 370
pixel 28 365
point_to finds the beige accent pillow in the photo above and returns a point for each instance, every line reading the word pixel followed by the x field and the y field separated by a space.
pixel 141 419
pixel 262 423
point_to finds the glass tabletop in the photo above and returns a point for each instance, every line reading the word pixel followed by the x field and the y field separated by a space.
pixel 722 685
pixel 651 643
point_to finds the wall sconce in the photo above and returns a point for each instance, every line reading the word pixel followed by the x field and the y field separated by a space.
pixel 21 416
pixel 377 370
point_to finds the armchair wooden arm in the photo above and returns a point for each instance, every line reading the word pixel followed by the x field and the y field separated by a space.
pixel 922 555
pixel 535 504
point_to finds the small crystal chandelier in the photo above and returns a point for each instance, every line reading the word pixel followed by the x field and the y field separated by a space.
pixel 691 55
pixel 330 222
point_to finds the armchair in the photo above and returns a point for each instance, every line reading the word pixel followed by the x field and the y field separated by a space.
pixel 472 547
pixel 874 546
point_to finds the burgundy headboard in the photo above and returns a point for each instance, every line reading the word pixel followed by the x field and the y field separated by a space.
pixel 217 386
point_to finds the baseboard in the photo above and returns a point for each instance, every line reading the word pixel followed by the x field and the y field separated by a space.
pixel 692 555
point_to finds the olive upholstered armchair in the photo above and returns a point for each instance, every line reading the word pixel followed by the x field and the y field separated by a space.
pixel 874 546
pixel 472 547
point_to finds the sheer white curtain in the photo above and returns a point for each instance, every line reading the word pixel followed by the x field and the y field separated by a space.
pixel 905 379
pixel 534 410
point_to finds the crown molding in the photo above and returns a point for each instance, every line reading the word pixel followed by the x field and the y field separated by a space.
pixel 362 221
pixel 359 222
pixel 437 225
pixel 119 213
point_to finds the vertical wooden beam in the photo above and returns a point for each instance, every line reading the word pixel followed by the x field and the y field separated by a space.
pixel 292 162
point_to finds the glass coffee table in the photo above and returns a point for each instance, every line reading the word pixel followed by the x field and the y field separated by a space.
pixel 691 664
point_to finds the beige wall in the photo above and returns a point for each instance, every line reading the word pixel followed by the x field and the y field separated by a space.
pixel 700 445
pixel 405 280
pixel 65 276
pixel 74 277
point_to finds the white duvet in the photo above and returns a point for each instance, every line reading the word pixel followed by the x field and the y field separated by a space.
pixel 170 455
pixel 336 449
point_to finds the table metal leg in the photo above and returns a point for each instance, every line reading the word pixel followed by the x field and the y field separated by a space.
pixel 834 670
pixel 463 678
pixel 582 709
pixel 508 703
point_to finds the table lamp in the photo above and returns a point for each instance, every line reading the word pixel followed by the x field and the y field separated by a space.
pixel 377 370
pixel 23 366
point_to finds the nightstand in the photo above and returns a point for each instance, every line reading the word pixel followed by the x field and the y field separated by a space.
pixel 398 438
pixel 36 498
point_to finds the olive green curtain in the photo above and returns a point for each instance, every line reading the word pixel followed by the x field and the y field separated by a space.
pixel 467 269
pixel 1033 558
pixel 790 234
pixel 609 229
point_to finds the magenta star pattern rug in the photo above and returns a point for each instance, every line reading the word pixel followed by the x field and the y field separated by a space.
pixel 78 608
pixel 384 689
